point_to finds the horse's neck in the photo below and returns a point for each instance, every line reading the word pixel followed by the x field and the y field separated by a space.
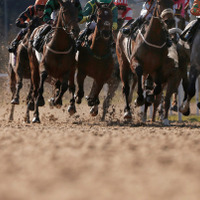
pixel 61 40
pixel 99 44
pixel 26 37
pixel 154 32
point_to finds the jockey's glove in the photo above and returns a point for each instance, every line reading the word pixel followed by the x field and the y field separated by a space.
pixel 114 26
pixel 84 19
pixel 21 25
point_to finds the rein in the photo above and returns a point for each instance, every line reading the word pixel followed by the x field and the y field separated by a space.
pixel 150 44
pixel 96 56
pixel 65 28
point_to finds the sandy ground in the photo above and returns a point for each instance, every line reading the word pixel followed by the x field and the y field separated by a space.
pixel 82 158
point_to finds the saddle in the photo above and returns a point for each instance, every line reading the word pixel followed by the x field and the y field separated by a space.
pixel 41 38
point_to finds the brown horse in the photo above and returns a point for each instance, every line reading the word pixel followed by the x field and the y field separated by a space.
pixel 96 60
pixel 146 55
pixel 19 66
pixel 114 81
pixel 58 58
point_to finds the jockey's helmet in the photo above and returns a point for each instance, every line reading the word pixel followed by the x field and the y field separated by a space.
pixel 104 1
pixel 121 3
pixel 40 4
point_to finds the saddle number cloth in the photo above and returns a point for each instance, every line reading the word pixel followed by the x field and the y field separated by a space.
pixel 195 10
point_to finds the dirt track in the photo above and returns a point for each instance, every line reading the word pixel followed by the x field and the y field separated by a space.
pixel 80 158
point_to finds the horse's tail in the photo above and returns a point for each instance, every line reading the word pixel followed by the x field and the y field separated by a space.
pixel 175 30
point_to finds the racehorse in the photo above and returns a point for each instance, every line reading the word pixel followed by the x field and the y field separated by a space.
pixel 57 59
pixel 19 65
pixel 193 73
pixel 181 21
pixel 147 54
pixel 114 80
pixel 96 60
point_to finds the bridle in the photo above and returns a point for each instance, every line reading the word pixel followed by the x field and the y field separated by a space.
pixel 66 26
pixel 103 33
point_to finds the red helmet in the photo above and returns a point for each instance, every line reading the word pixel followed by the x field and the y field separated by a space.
pixel 40 4
pixel 121 3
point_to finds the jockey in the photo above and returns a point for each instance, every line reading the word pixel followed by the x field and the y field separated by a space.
pixel 22 21
pixel 124 11
pixel 89 16
pixel 51 7
pixel 187 35
pixel 145 14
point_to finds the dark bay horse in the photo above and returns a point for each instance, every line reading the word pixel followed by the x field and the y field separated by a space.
pixel 58 58
pixel 193 72
pixel 96 60
pixel 148 54
pixel 19 65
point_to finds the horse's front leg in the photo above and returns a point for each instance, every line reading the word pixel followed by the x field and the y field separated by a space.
pixel 30 104
pixel 185 107
pixel 140 98
pixel 113 84
pixel 93 99
pixel 15 100
pixel 39 98
pixel 72 88
pixel 124 74
pixel 80 81
pixel 63 89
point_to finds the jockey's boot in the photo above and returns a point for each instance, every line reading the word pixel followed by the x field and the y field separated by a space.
pixel 13 46
pixel 81 38
pixel 190 34
pixel 127 30
pixel 37 41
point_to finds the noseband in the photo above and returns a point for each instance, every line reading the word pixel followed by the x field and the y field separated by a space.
pixel 66 27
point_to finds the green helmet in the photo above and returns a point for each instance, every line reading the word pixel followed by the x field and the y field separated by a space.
pixel 104 1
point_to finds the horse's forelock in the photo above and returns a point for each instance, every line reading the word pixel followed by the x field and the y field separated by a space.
pixel 105 11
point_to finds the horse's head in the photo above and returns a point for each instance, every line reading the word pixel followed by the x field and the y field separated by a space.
pixel 68 15
pixel 165 10
pixel 104 20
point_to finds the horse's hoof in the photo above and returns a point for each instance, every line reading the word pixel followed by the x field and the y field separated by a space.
pixel 187 113
pixel 139 102
pixel 174 108
pixel 94 111
pixel 71 109
pixel 127 115
pixel 36 120
pixel 27 120
pixel 31 106
pixel 51 103
pixel 184 111
pixel 78 100
pixel 15 101
pixel 165 122
pixel 41 101
pixel 198 105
